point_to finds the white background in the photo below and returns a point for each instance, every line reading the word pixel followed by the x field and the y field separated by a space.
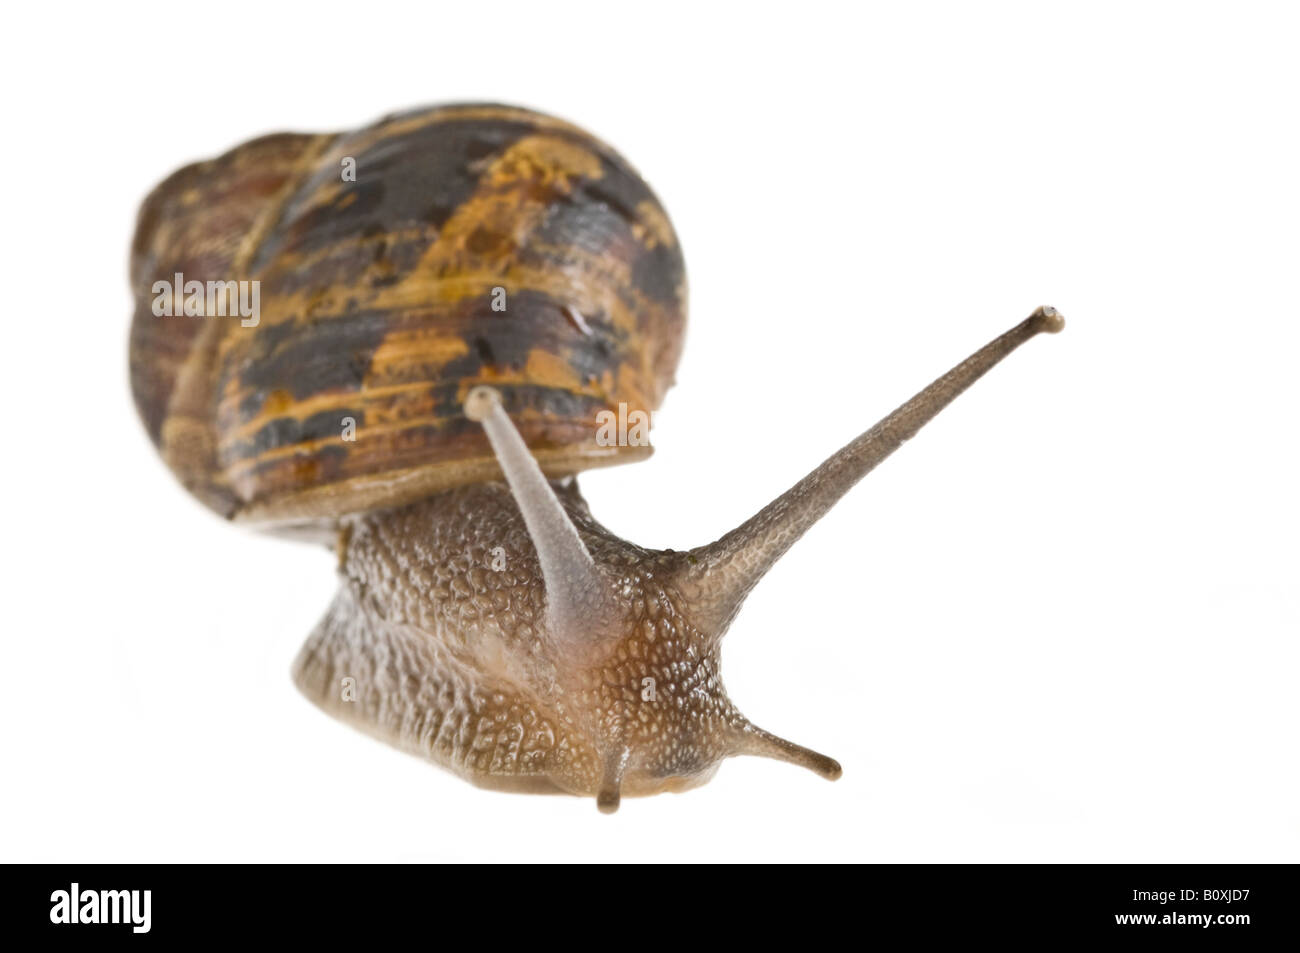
pixel 1060 625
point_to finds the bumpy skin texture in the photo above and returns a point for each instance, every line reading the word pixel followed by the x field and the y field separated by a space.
pixel 378 305
pixel 450 659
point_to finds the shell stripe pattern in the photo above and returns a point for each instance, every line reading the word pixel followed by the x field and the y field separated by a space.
pixel 377 301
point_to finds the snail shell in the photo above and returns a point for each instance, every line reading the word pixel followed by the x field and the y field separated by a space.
pixel 397 268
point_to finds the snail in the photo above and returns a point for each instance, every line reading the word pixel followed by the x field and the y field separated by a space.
pixel 445 305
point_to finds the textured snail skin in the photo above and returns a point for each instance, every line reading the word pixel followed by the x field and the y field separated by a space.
pixel 492 627
pixel 452 661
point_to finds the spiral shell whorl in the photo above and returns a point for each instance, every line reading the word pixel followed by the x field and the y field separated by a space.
pixel 474 245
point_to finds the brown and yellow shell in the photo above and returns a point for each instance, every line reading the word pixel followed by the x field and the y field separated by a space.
pixel 382 260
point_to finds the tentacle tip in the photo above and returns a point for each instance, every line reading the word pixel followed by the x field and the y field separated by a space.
pixel 607 802
pixel 480 402
pixel 1049 319
pixel 832 770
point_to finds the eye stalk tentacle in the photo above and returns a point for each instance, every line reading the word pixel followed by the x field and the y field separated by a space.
pixel 716 578
pixel 578 598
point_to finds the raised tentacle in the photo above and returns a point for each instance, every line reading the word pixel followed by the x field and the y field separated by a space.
pixel 578 599
pixel 715 579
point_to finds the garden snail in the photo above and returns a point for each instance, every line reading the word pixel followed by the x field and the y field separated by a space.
pixel 485 284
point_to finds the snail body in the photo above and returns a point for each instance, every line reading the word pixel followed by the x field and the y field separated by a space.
pixel 438 337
